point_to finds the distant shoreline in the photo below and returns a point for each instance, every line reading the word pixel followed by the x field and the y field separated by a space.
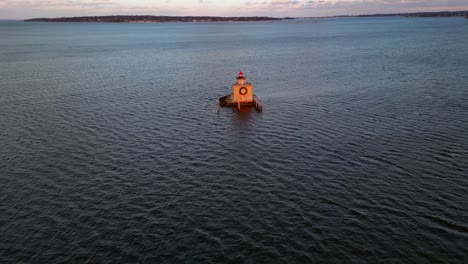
pixel 415 14
pixel 152 19
pixel 188 19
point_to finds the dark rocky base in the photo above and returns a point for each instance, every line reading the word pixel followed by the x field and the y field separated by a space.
pixel 225 101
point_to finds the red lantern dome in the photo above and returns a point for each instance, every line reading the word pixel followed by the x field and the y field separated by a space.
pixel 240 76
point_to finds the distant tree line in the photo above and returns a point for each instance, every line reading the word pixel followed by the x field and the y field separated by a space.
pixel 124 19
pixel 142 19
pixel 419 14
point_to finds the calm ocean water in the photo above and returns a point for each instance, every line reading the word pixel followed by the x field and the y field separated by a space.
pixel 111 148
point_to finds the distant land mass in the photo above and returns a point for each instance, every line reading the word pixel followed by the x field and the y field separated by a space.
pixel 152 19
pixel 161 19
pixel 416 14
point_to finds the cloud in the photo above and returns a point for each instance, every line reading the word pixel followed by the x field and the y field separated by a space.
pixel 382 6
pixel 59 4
pixel 280 2
pixel 256 3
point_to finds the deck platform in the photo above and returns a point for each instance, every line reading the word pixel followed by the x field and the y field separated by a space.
pixel 226 101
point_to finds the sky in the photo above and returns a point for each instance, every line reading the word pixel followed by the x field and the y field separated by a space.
pixel 22 9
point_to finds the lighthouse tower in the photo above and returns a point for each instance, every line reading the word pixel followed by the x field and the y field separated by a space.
pixel 242 91
pixel 241 96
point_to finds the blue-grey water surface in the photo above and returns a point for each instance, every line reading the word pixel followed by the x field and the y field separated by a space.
pixel 112 150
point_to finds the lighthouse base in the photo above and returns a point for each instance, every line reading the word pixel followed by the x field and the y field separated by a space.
pixel 226 101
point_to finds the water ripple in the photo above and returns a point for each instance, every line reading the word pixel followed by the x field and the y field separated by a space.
pixel 113 151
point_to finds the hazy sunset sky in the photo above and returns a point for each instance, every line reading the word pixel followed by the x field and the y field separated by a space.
pixel 20 9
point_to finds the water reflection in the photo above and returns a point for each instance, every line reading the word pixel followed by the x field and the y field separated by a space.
pixel 243 118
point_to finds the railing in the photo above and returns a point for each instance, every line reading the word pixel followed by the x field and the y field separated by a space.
pixel 258 103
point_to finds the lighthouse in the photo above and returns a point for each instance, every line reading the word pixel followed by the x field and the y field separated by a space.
pixel 242 91
pixel 241 96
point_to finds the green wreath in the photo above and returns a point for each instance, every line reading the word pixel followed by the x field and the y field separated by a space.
pixel 243 91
